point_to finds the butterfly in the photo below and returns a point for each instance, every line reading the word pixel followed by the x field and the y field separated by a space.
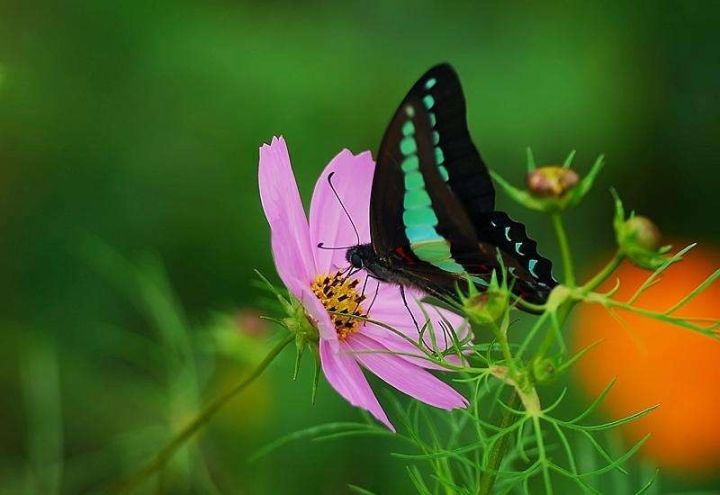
pixel 433 222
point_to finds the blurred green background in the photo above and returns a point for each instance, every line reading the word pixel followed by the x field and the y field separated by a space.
pixel 130 219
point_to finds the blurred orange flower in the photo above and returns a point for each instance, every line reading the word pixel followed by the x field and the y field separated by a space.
pixel 656 363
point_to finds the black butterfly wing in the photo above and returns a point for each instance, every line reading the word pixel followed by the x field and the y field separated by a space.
pixel 531 273
pixel 412 205
pixel 470 181
pixel 467 174
pixel 387 231
pixel 432 195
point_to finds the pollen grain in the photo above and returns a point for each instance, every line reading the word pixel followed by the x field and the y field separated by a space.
pixel 339 295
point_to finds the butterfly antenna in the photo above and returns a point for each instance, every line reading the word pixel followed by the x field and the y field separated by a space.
pixel 321 245
pixel 357 234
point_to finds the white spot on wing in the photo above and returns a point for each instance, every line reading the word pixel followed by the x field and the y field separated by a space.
pixel 531 267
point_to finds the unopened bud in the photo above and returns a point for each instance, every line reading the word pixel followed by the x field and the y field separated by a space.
pixel 544 370
pixel 639 239
pixel 643 232
pixel 488 307
pixel 551 181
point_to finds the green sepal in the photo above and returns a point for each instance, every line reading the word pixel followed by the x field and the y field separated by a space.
pixel 569 159
pixel 578 193
pixel 531 165
pixel 316 377
pixel 299 351
pixel 520 196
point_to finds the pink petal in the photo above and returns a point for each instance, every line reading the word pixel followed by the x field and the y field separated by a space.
pixel 352 179
pixel 317 312
pixel 404 348
pixel 406 377
pixel 280 198
pixel 347 379
pixel 389 309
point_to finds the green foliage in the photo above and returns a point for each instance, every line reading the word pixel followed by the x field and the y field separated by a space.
pixel 181 362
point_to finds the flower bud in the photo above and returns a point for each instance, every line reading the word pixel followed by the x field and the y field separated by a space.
pixel 488 307
pixel 643 232
pixel 544 370
pixel 551 181
pixel 639 239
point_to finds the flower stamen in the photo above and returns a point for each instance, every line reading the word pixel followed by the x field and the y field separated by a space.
pixel 339 296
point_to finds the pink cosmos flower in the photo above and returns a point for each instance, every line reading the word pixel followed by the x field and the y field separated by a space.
pixel 317 278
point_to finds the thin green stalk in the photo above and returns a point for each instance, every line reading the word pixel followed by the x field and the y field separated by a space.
pixel 501 336
pixel 564 250
pixel 478 429
pixel 603 274
pixel 678 321
pixel 498 451
pixel 531 334
pixel 542 455
pixel 505 349
pixel 556 322
pixel 200 420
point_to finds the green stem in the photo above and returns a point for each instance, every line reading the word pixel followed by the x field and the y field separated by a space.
pixel 505 349
pixel 542 455
pixel 603 274
pixel 678 321
pixel 564 250
pixel 498 451
pixel 200 420
pixel 550 335
pixel 564 310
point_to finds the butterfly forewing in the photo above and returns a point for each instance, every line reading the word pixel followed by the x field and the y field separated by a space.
pixel 419 210
pixel 467 174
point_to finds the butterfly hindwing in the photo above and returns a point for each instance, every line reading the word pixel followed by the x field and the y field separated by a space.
pixel 531 273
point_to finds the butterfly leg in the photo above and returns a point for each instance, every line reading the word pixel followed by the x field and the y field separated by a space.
pixel 402 294
pixel 377 289
pixel 362 293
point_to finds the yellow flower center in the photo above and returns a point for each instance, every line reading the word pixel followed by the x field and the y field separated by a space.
pixel 339 296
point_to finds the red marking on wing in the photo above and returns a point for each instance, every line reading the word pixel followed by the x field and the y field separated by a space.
pixel 404 255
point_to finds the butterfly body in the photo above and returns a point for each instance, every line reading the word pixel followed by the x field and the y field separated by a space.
pixel 432 209
pixel 400 267
pixel 383 268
